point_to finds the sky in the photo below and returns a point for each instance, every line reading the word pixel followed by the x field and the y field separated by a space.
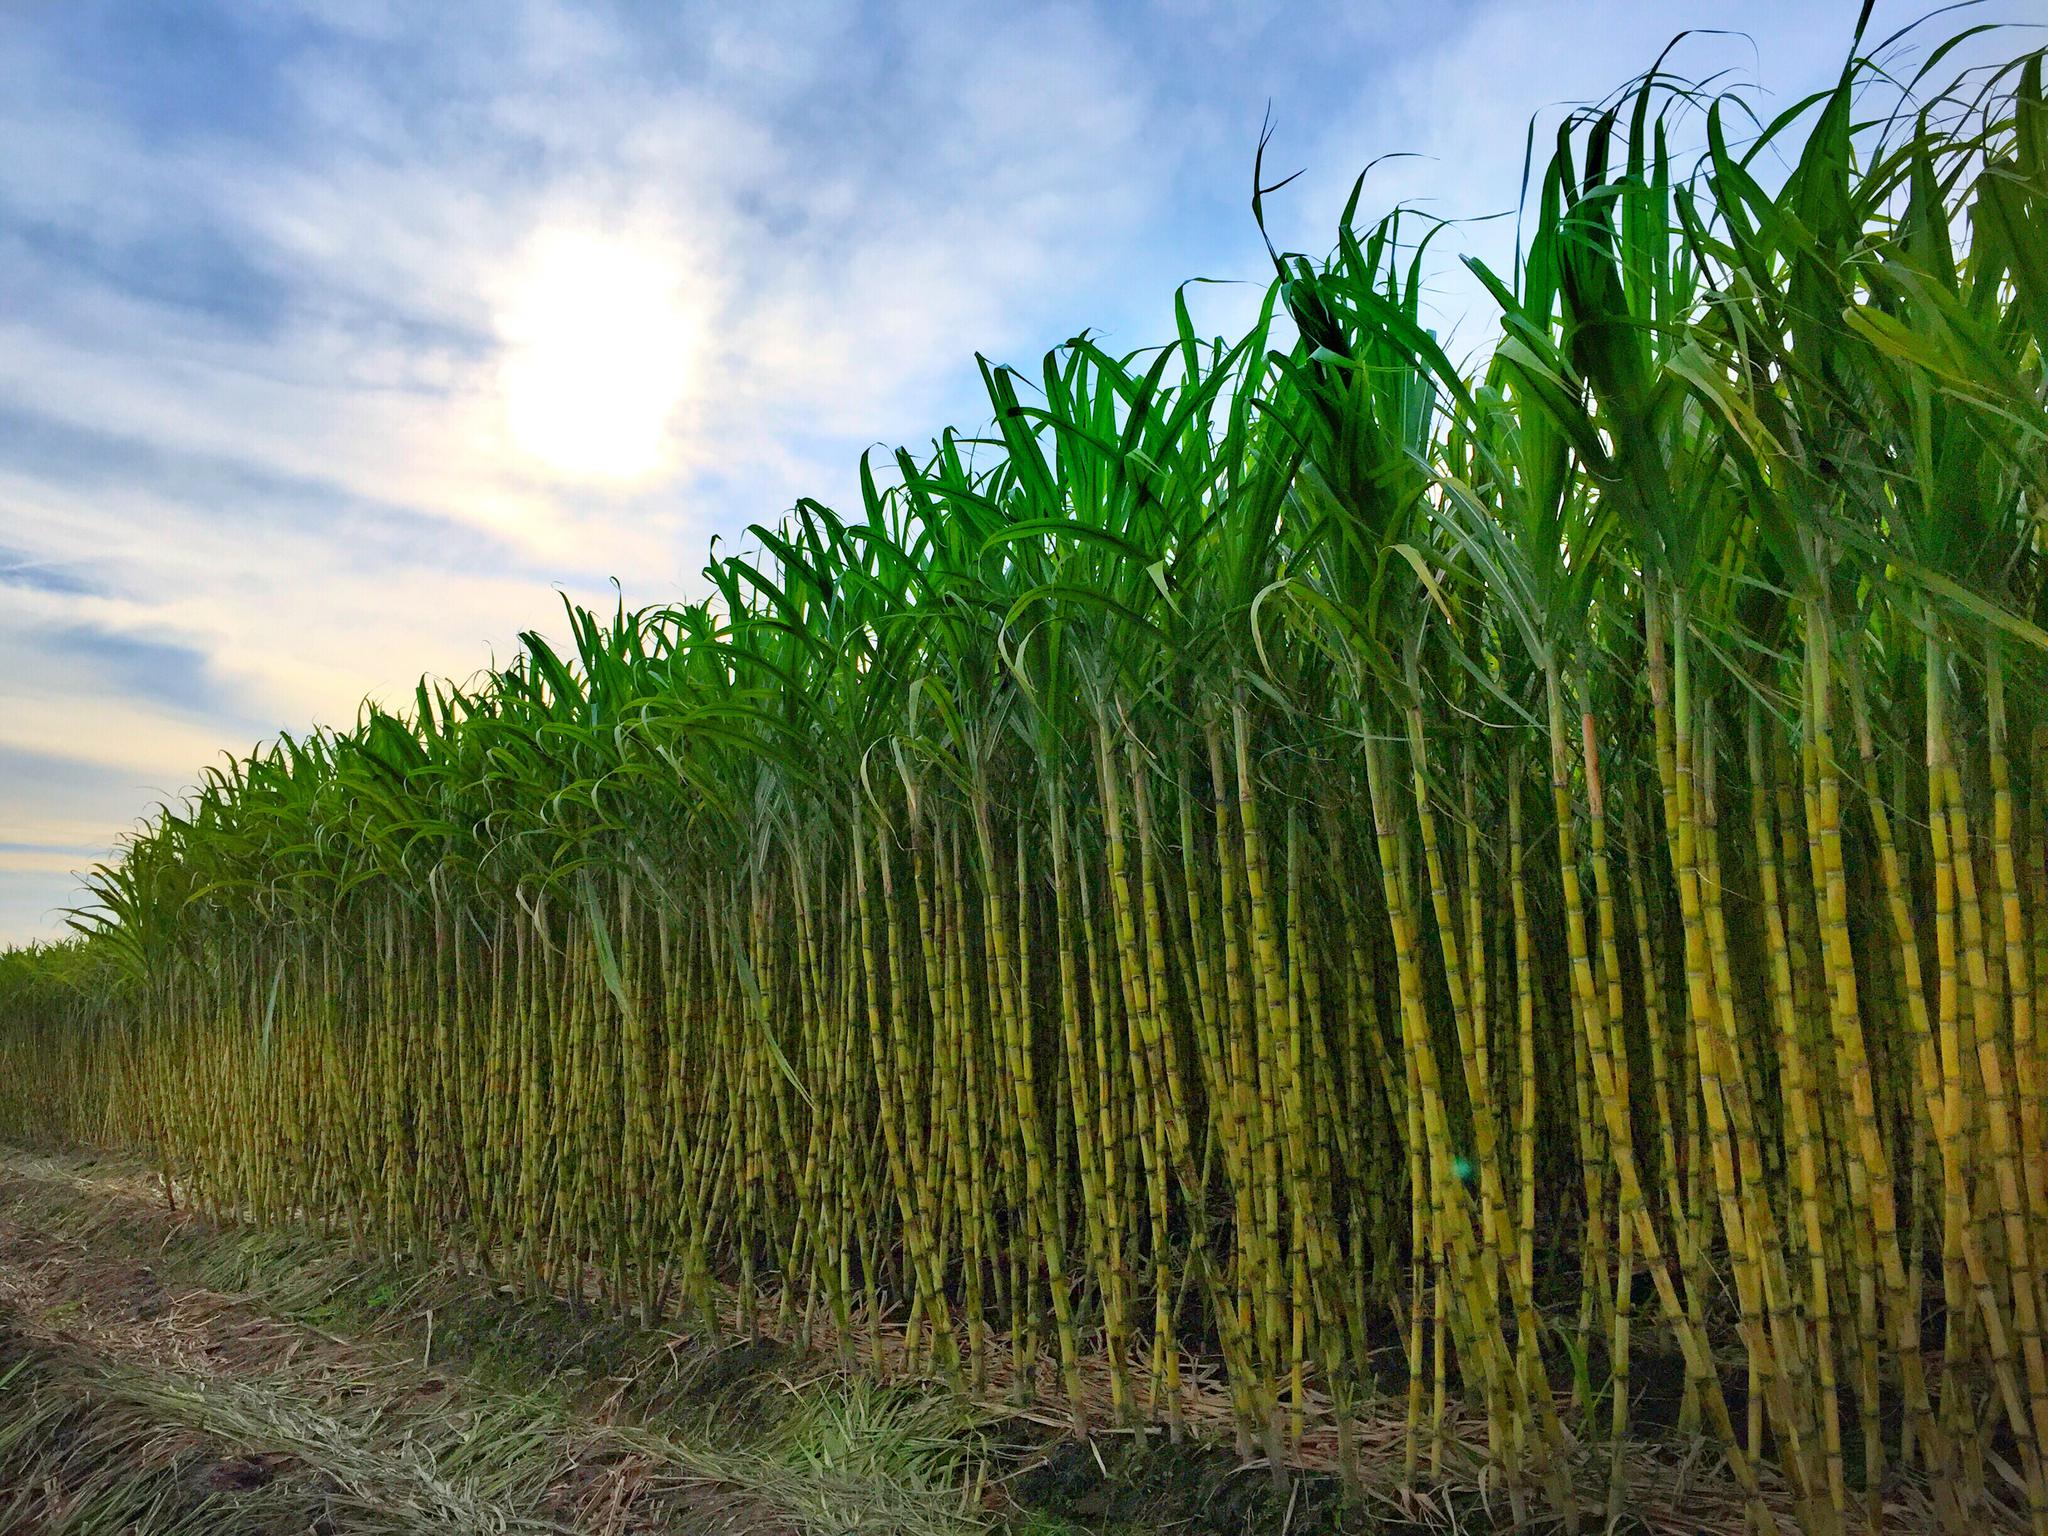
pixel 339 340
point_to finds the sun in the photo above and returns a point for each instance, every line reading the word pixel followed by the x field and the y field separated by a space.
pixel 597 350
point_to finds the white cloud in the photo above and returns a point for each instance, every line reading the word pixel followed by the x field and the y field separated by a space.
pixel 325 494
pixel 280 351
pixel 39 861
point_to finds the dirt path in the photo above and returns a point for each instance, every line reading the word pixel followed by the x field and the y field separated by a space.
pixel 164 1376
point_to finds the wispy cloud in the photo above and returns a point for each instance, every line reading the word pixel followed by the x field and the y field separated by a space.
pixel 261 277
pixel 255 453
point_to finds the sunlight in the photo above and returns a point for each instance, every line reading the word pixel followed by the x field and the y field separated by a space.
pixel 597 350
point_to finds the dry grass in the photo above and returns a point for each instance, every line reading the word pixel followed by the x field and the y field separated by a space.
pixel 176 1405
pixel 436 1393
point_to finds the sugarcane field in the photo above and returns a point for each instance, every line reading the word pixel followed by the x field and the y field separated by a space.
pixel 1406 893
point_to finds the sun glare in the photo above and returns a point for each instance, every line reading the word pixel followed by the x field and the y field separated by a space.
pixel 597 348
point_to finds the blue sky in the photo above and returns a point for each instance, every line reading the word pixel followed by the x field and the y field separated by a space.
pixel 285 293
